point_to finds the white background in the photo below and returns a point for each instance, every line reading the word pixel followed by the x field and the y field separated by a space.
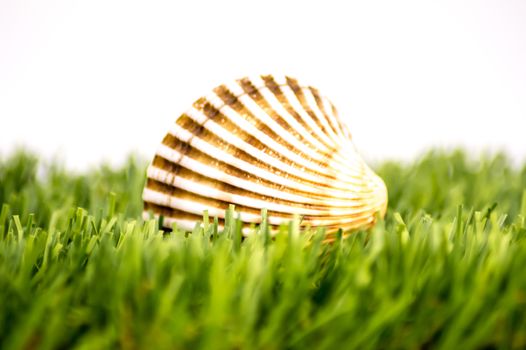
pixel 94 80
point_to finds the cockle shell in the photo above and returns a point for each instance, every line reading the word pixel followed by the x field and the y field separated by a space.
pixel 263 142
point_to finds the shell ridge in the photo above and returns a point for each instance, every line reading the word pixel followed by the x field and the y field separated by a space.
pixel 183 207
pixel 251 129
pixel 204 193
pixel 322 105
pixel 280 110
pixel 258 113
pixel 276 107
pixel 247 198
pixel 259 172
pixel 286 97
pixel 198 167
pixel 321 159
pixel 237 142
pixel 251 214
pixel 296 106
pixel 155 172
pixel 299 93
pixel 263 142
pixel 253 105
pixel 313 106
pixel 277 92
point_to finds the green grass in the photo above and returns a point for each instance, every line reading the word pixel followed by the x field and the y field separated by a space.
pixel 445 269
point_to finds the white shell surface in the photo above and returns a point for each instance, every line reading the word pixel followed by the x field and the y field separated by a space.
pixel 263 142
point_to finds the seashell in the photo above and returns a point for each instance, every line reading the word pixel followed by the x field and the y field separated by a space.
pixel 263 142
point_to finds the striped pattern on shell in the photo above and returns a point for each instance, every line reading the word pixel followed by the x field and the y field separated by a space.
pixel 262 142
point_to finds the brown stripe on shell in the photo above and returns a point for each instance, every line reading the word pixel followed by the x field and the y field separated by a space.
pixel 183 173
pixel 192 126
pixel 298 91
pixel 171 213
pixel 326 179
pixel 213 113
pixel 232 101
pixel 234 171
pixel 336 125
pixel 223 205
pixel 224 122
pixel 262 102
pixel 168 212
pixel 254 93
pixel 305 108
pixel 326 221
pixel 165 186
pixel 323 180
pixel 331 230
pixel 276 90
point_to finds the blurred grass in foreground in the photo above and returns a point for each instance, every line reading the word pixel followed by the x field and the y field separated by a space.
pixel 445 269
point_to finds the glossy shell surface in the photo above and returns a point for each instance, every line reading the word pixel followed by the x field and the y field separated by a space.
pixel 263 142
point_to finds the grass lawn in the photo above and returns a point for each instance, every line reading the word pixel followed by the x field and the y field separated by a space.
pixel 446 269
